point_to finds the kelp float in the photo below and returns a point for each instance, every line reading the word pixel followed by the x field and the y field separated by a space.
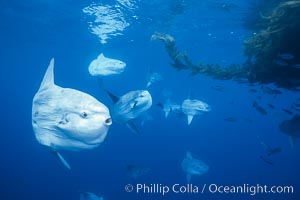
pixel 273 52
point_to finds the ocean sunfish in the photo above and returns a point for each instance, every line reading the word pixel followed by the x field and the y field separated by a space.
pixel 136 171
pixel 67 119
pixel 192 107
pixel 103 66
pixel 89 196
pixel 153 77
pixel 291 128
pixel 169 107
pixel 192 166
pixel 130 106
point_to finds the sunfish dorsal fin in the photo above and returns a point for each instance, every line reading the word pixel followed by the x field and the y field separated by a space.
pixel 112 96
pixel 190 118
pixel 64 162
pixel 48 80
pixel 189 155
pixel 101 56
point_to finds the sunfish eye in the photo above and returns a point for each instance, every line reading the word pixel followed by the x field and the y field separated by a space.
pixel 108 121
pixel 84 115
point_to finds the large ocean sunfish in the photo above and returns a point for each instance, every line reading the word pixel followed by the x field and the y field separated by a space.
pixel 67 119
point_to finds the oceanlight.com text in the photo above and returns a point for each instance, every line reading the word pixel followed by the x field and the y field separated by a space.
pixel 250 189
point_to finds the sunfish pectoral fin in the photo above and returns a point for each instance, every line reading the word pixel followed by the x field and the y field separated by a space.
pixel 188 177
pixel 48 80
pixel 64 162
pixel 133 104
pixel 190 118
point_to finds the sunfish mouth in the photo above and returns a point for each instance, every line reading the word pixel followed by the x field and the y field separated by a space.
pixel 108 121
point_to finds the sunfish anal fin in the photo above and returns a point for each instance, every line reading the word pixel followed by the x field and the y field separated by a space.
pixel 167 112
pixel 64 162
pixel 190 118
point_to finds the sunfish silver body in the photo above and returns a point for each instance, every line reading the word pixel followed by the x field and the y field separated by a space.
pixel 103 66
pixel 131 105
pixel 67 119
pixel 192 166
pixel 192 107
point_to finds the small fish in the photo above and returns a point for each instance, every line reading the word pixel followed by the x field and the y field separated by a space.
pixel 297 66
pixel 280 62
pixel 287 111
pixel 266 160
pixel 241 80
pixel 230 119
pixel 274 151
pixel 253 90
pixel 271 105
pixel 268 90
pixel 296 106
pixel 286 56
pixel 269 150
pixel 218 88
pixel 259 108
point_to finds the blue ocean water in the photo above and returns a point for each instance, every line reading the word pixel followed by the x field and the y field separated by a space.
pixel 228 138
